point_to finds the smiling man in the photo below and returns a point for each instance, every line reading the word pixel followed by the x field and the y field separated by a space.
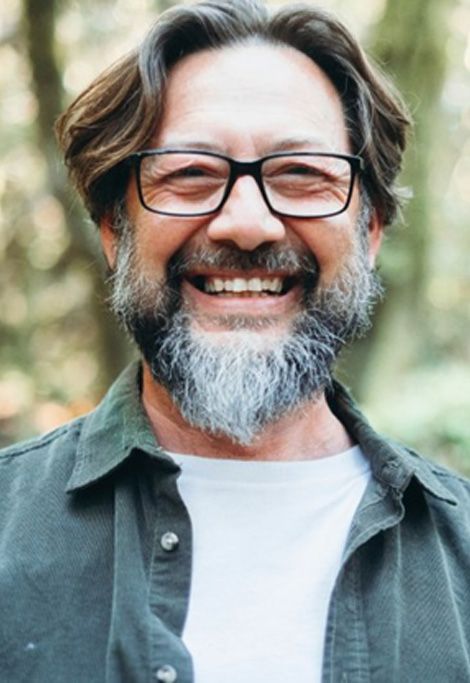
pixel 226 514
pixel 242 257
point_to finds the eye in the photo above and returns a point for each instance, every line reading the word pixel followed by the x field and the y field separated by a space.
pixel 302 169
pixel 294 169
pixel 190 172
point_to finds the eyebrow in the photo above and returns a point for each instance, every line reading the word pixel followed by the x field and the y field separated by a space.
pixel 202 145
pixel 285 144
pixel 288 144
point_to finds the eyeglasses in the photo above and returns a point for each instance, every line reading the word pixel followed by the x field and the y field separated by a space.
pixel 175 182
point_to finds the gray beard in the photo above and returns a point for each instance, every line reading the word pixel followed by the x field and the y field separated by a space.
pixel 238 386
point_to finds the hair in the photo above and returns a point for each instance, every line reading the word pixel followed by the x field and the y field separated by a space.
pixel 119 112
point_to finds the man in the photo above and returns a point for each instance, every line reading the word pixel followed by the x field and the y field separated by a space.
pixel 226 514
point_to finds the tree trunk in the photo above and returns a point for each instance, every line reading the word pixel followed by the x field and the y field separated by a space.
pixel 410 42
pixel 39 19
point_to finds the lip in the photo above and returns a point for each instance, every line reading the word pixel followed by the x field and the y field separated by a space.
pixel 255 305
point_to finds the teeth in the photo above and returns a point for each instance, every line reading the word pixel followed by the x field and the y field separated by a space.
pixel 238 284
pixel 255 285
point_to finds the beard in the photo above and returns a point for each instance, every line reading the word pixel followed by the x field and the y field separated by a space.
pixel 237 384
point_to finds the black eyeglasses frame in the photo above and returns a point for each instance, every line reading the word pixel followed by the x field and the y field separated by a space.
pixel 239 169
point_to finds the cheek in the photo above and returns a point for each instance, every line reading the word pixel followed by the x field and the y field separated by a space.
pixel 331 242
pixel 160 239
pixel 157 237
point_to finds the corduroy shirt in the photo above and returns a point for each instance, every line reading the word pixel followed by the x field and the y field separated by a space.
pixel 95 559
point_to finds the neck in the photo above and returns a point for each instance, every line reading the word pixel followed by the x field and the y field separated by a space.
pixel 311 432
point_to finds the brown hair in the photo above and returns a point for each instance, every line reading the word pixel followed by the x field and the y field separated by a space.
pixel 118 113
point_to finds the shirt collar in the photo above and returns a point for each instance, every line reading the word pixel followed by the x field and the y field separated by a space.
pixel 119 425
pixel 112 431
pixel 392 464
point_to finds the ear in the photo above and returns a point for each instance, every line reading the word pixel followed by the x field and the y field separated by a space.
pixel 375 237
pixel 108 239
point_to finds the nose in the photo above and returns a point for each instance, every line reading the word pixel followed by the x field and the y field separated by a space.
pixel 245 219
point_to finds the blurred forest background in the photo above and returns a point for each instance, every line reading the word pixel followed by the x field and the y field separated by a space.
pixel 59 348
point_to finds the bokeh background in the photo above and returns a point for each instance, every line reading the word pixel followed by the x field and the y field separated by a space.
pixel 59 348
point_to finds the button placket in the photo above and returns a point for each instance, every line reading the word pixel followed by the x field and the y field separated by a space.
pixel 169 577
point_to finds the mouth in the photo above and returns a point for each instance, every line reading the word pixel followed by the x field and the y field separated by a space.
pixel 226 286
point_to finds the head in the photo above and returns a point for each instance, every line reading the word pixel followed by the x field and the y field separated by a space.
pixel 228 78
pixel 118 113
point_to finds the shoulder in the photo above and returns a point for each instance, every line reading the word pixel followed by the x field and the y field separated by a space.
pixel 427 469
pixel 447 495
pixel 48 457
pixel 457 483
pixel 64 436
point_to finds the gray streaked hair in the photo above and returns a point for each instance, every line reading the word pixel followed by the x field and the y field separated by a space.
pixel 117 114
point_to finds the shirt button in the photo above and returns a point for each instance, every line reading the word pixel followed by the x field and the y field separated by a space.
pixel 169 542
pixel 166 674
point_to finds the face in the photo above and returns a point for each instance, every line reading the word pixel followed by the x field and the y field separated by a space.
pixel 282 102
pixel 235 360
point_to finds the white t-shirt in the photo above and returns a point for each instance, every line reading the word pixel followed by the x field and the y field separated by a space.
pixel 268 540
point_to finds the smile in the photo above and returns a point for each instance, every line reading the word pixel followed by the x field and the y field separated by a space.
pixel 246 287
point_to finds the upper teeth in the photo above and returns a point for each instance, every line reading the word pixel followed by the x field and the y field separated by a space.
pixel 239 284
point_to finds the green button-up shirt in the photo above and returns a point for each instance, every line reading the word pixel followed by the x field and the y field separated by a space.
pixel 95 559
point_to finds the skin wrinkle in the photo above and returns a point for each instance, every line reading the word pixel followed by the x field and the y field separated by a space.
pixel 238 387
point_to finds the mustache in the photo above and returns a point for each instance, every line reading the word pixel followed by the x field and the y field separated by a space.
pixel 265 257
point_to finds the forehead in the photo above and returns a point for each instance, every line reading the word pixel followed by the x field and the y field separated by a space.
pixel 251 99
